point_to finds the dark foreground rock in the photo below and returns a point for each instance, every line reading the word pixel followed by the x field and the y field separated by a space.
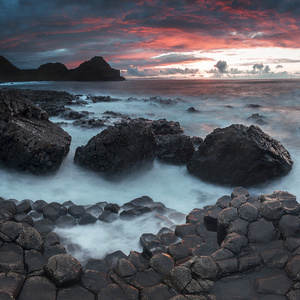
pixel 240 155
pixel 250 251
pixel 25 128
pixel 117 148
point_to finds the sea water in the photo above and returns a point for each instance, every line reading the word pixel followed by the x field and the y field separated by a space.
pixel 217 104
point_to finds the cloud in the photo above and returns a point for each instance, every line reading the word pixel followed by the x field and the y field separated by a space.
pixel 177 57
pixel 221 66
pixel 155 72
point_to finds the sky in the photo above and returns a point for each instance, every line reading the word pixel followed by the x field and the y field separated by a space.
pixel 157 38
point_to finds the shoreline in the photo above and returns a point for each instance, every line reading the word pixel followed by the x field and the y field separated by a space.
pixel 219 247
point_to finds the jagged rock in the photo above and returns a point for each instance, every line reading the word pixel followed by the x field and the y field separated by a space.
pixel 63 269
pixel 179 251
pixel 289 225
pixel 25 128
pixel 113 258
pixel 271 210
pixel 43 226
pixel 97 265
pixel 249 262
pixel 11 258
pixel 53 250
pixel 185 229
pixel 248 212
pixel 240 155
pixel 117 148
pixel 174 148
pixel 36 286
pixel 24 218
pixel 24 206
pixel 65 221
pixel 112 291
pixel 146 278
pixel 228 266
pixel 235 242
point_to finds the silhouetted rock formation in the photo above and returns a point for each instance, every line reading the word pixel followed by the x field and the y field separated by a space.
pixel 96 69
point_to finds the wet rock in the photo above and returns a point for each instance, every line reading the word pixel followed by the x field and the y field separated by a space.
pixel 235 242
pixel 75 292
pixel 271 210
pixel 87 218
pixel 293 295
pixel 24 206
pixel 162 263
pixel 112 291
pixel 276 285
pixel 174 148
pixel 249 262
pixel 11 284
pixel 76 211
pixel 153 248
pixel 222 254
pixel 43 226
pixel 206 268
pixel 211 217
pixel 53 250
pixel 195 216
pixel 185 229
pixel 239 191
pixel 63 269
pixel 97 265
pixel 113 208
pixel 221 157
pixel 261 231
pixel 138 260
pixel 117 148
pixel 158 292
pixel 224 201
pixel 11 258
pixel 289 225
pixel 53 211
pixel 228 266
pixel 178 278
pixel 24 218
pixel 8 206
pixel 94 281
pixel 179 251
pixel 65 221
pixel 124 268
pixel 34 261
pixel 192 241
pixel 30 239
pixel 239 226
pixel 25 129
pixel 39 205
pixel 146 278
pixel 292 268
pixel 113 258
pixel 248 212
pixel 36 286
pixel 108 216
pixel 11 229
pixel 238 201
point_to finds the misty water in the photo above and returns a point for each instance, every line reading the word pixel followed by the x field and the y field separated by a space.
pixel 219 104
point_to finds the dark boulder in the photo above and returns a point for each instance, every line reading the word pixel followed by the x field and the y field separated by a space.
pixel 25 128
pixel 117 148
pixel 63 269
pixel 174 148
pixel 240 155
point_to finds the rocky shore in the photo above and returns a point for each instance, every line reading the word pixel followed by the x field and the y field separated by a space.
pixel 242 247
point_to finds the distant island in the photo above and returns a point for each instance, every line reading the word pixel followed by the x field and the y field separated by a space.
pixel 96 69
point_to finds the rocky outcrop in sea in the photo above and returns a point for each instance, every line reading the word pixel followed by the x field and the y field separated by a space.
pixel 242 246
pixel 29 141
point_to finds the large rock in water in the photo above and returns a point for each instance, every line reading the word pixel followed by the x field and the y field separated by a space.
pixel 240 155
pixel 117 148
pixel 28 140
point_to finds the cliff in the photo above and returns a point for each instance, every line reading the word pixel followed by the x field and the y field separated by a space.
pixel 96 69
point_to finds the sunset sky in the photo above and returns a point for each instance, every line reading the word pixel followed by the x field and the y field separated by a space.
pixel 157 38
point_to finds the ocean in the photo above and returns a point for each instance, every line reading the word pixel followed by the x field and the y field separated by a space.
pixel 273 105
